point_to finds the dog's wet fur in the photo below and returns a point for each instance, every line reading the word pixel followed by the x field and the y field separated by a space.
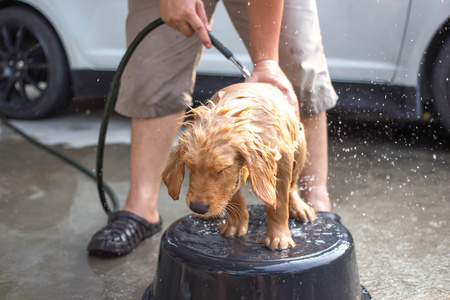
pixel 248 131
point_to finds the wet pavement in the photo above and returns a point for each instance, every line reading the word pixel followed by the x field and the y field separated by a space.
pixel 390 182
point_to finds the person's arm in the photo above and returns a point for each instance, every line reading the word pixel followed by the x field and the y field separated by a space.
pixel 264 21
pixel 187 16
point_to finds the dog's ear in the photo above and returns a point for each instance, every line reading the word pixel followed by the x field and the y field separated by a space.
pixel 262 166
pixel 173 174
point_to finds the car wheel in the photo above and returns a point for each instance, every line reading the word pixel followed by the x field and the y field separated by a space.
pixel 34 73
pixel 441 84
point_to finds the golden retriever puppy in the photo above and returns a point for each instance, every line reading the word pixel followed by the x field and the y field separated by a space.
pixel 247 131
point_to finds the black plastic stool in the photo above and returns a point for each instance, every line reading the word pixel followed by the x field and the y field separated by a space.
pixel 196 262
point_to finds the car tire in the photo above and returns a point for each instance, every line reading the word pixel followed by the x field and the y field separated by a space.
pixel 34 74
pixel 441 85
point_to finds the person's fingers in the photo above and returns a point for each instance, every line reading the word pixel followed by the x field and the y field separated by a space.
pixel 286 88
pixel 188 17
pixel 202 33
pixel 185 28
pixel 191 27
pixel 270 72
pixel 200 25
pixel 292 98
pixel 201 13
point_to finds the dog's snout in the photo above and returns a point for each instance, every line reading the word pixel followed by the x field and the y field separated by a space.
pixel 199 207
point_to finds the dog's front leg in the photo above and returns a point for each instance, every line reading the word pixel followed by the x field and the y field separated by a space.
pixel 278 233
pixel 237 221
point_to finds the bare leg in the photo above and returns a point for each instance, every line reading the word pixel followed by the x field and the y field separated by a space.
pixel 151 141
pixel 314 176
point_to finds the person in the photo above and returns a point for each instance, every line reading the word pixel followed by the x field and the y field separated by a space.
pixel 285 44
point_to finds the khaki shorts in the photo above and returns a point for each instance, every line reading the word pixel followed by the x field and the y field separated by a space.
pixel 160 77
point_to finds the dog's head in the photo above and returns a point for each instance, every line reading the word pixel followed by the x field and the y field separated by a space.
pixel 220 152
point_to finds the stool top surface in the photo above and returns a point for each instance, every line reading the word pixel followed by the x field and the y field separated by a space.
pixel 317 242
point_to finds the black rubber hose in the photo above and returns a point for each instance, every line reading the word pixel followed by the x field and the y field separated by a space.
pixel 112 97
pixel 103 187
pixel 110 103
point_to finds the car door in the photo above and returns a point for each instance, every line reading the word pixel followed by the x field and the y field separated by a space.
pixel 363 38
pixel 96 29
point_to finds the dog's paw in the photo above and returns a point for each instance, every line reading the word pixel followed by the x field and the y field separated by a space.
pixel 228 230
pixel 303 213
pixel 299 210
pixel 279 243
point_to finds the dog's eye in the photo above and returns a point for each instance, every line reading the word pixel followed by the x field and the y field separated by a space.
pixel 222 170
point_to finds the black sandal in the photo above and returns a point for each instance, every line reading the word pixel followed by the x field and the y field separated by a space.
pixel 124 232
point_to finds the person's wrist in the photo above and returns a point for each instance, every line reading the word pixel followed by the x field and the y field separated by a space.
pixel 266 62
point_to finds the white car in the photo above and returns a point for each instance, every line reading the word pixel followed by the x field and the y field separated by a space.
pixel 388 58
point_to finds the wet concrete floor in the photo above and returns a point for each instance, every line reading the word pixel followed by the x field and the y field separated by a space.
pixel 390 182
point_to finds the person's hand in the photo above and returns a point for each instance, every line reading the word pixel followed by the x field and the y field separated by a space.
pixel 268 71
pixel 187 16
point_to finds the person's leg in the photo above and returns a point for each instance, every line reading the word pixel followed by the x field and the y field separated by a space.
pixel 151 141
pixel 313 179
pixel 303 61
pixel 155 91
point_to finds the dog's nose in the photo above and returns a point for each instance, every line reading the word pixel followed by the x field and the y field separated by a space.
pixel 200 208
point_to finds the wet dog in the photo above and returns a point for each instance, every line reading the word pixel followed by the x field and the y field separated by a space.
pixel 247 131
